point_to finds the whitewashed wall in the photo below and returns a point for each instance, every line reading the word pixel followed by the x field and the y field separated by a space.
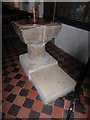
pixel 28 7
pixel 73 41
pixel 41 7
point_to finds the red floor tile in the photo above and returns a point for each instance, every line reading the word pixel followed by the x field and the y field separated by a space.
pixel 28 85
pixel 12 74
pixel 13 82
pixel 66 104
pixel 5 94
pixel 6 106
pixel 25 78
pixel 21 71
pixel 16 90
pixel 4 85
pixel 32 94
pixel 86 92
pixel 79 115
pixel 9 117
pixel 23 113
pixel 42 115
pixel 37 106
pixel 57 112
pixel 19 100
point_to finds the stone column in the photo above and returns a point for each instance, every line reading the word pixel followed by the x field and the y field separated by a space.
pixel 36 52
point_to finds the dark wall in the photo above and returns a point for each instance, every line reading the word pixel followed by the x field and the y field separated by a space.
pixel 48 10
pixel 69 13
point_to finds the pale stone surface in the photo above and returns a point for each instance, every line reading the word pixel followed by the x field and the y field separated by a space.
pixel 36 53
pixel 52 82
pixel 29 67
pixel 36 36
pixel 42 69
pixel 40 33
pixel 36 33
pixel 49 79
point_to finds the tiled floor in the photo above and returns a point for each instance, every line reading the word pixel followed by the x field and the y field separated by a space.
pixel 20 99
